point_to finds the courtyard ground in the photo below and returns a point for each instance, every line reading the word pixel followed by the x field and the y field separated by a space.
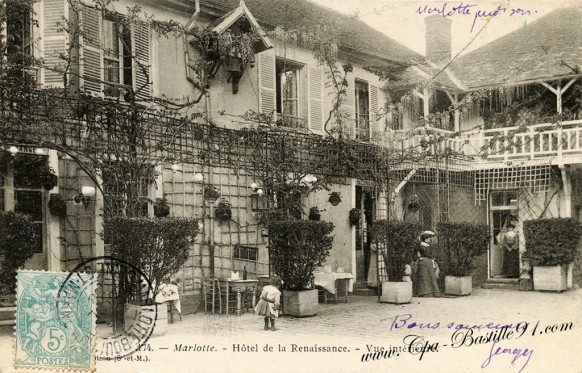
pixel 543 335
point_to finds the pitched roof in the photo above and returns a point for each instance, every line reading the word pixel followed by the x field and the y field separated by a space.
pixel 292 14
pixel 531 53
pixel 420 73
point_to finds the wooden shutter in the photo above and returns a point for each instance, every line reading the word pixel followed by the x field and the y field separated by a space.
pixel 91 52
pixel 142 66
pixel 315 99
pixel 267 94
pixel 54 42
pixel 349 106
pixel 373 110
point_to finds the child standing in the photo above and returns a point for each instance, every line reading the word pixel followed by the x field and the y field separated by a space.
pixel 270 302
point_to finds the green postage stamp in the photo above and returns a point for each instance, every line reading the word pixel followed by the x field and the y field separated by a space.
pixel 55 321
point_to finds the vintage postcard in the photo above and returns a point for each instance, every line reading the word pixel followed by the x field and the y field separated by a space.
pixel 290 186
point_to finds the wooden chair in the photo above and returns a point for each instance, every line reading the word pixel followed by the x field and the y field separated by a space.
pixel 229 303
pixel 212 295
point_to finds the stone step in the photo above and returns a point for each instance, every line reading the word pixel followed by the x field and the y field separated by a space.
pixel 364 292
pixel 360 285
pixel 507 284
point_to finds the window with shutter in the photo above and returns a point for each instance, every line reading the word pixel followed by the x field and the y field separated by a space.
pixel 267 82
pixel 114 60
pixel 315 92
pixel 54 41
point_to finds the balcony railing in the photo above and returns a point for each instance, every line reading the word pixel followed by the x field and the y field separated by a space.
pixel 543 140
pixel 290 121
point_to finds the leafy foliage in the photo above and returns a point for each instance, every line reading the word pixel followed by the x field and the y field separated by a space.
pixel 161 208
pixel 553 241
pixel 159 247
pixel 19 241
pixel 296 247
pixel 462 243
pixel 355 216
pixel 397 243
pixel 57 205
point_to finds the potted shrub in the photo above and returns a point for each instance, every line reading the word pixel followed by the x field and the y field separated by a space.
pixel 157 246
pixel 396 242
pixel 57 205
pixel 211 194
pixel 48 179
pixel 552 246
pixel 161 208
pixel 223 211
pixel 19 243
pixel 462 243
pixel 354 217
pixel 314 214
pixel 296 248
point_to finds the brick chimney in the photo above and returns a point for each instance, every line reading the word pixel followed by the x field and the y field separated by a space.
pixel 438 38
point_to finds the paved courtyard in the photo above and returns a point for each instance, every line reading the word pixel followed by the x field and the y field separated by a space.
pixel 543 335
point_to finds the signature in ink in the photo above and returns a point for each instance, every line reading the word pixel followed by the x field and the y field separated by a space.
pixel 517 353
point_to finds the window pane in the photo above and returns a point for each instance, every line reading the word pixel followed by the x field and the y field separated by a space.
pixel 111 73
pixel 30 203
pixel 27 171
pixel 110 39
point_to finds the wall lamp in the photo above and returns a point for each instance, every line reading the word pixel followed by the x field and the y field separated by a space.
pixel 259 201
pixel 85 197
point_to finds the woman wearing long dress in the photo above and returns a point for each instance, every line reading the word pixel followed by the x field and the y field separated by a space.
pixel 372 281
pixel 510 246
pixel 427 270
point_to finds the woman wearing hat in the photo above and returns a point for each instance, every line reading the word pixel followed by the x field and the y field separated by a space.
pixel 427 269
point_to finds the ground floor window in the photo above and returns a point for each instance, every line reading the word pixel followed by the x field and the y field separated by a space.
pixel 21 190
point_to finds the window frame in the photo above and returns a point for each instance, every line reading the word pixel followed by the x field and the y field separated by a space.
pixel 282 67
pixel 362 117
pixel 9 197
pixel 123 56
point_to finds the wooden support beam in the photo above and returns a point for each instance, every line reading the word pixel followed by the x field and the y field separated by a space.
pixel 567 185
pixel 569 84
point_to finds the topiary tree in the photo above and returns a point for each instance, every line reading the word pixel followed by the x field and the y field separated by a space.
pixel 551 242
pixel 157 246
pixel 462 243
pixel 296 247
pixel 397 243
pixel 18 242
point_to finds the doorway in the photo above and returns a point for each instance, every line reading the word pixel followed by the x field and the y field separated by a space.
pixel 365 203
pixel 503 211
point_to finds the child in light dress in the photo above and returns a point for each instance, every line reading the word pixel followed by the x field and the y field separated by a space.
pixel 270 302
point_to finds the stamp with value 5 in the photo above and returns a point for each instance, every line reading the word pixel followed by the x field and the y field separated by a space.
pixel 55 325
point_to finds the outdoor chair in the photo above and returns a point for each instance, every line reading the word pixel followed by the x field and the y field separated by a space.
pixel 212 295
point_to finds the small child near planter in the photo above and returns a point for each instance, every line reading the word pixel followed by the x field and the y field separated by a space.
pixel 270 302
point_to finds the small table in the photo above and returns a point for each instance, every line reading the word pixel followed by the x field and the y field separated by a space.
pixel 329 281
pixel 237 286
pixel 169 293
